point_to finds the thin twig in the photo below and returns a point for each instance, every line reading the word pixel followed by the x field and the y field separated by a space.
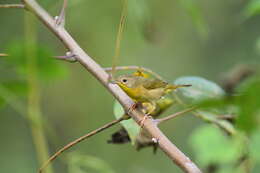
pixel 75 142
pixel 175 115
pixel 3 54
pixel 177 156
pixel 132 67
pixel 12 6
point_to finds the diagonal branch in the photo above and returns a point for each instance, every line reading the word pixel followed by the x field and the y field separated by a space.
pixel 97 71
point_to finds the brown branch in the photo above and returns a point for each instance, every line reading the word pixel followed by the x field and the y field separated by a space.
pixel 132 67
pixel 12 6
pixel 75 142
pixel 175 115
pixel 97 71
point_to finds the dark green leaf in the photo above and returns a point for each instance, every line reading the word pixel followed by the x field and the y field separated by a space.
pixel 249 104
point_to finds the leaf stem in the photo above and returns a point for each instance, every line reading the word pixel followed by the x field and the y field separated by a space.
pixel 175 115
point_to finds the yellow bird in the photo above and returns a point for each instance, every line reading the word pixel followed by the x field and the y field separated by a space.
pixel 142 88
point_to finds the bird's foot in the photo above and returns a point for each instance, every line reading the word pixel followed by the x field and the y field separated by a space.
pixel 141 122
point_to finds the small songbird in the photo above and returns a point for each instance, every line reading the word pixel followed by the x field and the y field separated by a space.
pixel 142 88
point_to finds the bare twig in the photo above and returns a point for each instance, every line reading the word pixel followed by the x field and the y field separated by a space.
pixel 164 143
pixel 132 67
pixel 12 6
pixel 71 144
pixel 3 54
pixel 175 115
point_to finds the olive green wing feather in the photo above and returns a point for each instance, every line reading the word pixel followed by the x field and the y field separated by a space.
pixel 154 83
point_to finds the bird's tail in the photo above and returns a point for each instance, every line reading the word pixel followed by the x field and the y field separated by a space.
pixel 173 87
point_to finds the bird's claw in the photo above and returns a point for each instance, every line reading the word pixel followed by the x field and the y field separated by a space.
pixel 141 122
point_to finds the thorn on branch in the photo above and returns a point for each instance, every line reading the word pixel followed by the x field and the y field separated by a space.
pixel 12 6
pixel 60 20
pixel 70 57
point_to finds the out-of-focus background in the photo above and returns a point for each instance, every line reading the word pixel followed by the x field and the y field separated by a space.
pixel 173 38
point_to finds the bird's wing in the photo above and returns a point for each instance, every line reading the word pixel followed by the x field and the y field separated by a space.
pixel 154 83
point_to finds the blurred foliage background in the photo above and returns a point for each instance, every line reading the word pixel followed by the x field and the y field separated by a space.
pixel 43 100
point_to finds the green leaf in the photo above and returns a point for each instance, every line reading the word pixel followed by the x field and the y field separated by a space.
pixel 252 8
pixel 213 147
pixel 201 89
pixel 254 145
pixel 19 88
pixel 79 163
pixel 230 169
pixel 2 103
pixel 249 104
pixel 130 125
pixel 47 67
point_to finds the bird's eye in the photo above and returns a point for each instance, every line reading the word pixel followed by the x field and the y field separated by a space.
pixel 124 80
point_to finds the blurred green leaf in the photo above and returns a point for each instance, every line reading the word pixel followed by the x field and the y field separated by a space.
pixel 249 104
pixel 201 89
pixel 254 145
pixel 230 169
pixel 130 125
pixel 213 147
pixel 79 163
pixel 2 103
pixel 17 87
pixel 193 10
pixel 48 68
pixel 252 8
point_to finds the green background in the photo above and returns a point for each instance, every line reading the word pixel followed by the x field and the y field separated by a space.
pixel 173 38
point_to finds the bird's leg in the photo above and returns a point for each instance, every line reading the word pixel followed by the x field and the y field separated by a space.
pixel 133 107
pixel 148 114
